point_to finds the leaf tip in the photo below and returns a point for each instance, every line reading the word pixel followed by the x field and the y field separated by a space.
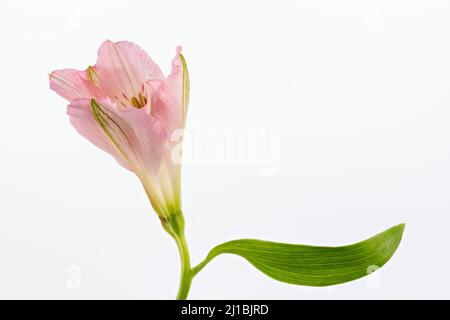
pixel 400 227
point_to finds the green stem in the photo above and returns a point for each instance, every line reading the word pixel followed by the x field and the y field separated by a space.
pixel 174 225
pixel 200 266
pixel 186 272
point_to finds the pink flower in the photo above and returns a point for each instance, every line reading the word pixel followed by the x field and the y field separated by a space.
pixel 125 106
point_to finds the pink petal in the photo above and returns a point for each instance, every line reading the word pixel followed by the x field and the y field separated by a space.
pixel 83 121
pixel 165 105
pixel 122 69
pixel 135 134
pixel 178 80
pixel 71 84
pixel 170 96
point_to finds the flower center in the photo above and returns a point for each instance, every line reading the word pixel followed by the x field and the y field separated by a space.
pixel 139 101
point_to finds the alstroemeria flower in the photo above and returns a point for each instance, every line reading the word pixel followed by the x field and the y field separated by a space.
pixel 125 106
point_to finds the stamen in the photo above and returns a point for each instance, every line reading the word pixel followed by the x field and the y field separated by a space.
pixel 135 103
pixel 140 101
pixel 92 76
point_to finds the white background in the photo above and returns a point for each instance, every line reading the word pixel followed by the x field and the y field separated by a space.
pixel 358 91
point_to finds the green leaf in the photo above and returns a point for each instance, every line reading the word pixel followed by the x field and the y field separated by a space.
pixel 313 265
